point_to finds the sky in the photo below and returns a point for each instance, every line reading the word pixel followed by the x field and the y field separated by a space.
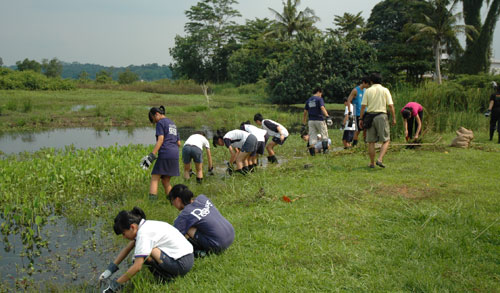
pixel 128 32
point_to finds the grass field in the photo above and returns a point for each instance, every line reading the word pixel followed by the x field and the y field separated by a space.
pixel 429 222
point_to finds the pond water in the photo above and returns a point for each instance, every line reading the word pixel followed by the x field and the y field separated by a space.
pixel 64 255
pixel 80 138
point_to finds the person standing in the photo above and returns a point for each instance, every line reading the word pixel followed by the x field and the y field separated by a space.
pixel 355 97
pixel 494 112
pixel 274 129
pixel 376 100
pixel 166 150
pixel 193 150
pixel 412 113
pixel 349 125
pixel 315 111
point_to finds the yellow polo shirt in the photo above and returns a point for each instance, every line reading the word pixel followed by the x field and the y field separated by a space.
pixel 376 99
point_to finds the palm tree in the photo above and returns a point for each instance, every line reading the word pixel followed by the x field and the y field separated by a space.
pixel 291 20
pixel 349 25
pixel 440 25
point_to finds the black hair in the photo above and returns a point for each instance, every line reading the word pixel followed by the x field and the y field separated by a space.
pixel 317 89
pixel 258 117
pixel 219 134
pixel 242 125
pixel 303 134
pixel 180 191
pixel 346 99
pixel 365 79
pixel 155 110
pixel 407 112
pixel 376 78
pixel 200 132
pixel 124 219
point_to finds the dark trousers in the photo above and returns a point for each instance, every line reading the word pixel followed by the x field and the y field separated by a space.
pixel 412 121
pixel 495 122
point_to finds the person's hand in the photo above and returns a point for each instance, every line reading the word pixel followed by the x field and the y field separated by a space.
pixel 406 133
pixel 112 268
pixel 147 161
pixel 329 121
pixel 211 171
pixel 303 129
pixel 361 123
pixel 113 286
pixel 416 136
pixel 282 137
pixel 487 113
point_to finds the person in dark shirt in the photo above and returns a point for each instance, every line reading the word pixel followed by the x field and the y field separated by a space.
pixel 494 112
pixel 315 111
pixel 200 221
pixel 166 150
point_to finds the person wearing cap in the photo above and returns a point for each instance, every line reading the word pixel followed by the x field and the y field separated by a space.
pixel 412 113
pixel 315 111
pixel 240 144
pixel 494 111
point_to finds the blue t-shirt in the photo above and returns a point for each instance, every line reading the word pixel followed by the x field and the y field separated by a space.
pixel 169 149
pixel 203 215
pixel 357 101
pixel 313 107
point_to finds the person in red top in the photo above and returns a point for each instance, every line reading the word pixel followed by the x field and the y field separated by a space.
pixel 412 113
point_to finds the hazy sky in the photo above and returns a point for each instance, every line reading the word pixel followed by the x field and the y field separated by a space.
pixel 124 32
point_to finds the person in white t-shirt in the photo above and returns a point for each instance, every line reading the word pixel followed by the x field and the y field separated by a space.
pixel 349 124
pixel 318 147
pixel 157 244
pixel 277 131
pixel 240 144
pixel 262 138
pixel 193 150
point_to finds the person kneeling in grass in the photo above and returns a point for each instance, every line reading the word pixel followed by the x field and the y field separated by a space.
pixel 318 147
pixel 157 244
pixel 200 221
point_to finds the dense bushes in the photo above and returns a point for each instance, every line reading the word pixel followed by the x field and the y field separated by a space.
pixel 29 80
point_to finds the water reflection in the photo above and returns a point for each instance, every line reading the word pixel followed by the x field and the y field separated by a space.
pixel 80 138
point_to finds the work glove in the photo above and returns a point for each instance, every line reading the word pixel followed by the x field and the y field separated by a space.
pixel 147 161
pixel 230 168
pixel 487 113
pixel 329 121
pixel 112 268
pixel 303 129
pixel 114 286
pixel 211 171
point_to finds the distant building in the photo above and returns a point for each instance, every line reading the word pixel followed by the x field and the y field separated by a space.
pixel 495 66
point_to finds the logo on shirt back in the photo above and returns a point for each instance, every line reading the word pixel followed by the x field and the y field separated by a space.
pixel 201 213
pixel 312 104
pixel 172 129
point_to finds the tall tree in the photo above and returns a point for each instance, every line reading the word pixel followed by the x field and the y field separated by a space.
pixel 442 28
pixel 27 64
pixel 349 25
pixel 52 68
pixel 291 20
pixel 476 57
pixel 203 53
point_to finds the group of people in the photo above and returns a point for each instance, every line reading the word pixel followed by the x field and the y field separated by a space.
pixel 169 250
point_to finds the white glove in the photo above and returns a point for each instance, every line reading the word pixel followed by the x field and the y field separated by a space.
pixel 108 272
pixel 329 121
pixel 147 161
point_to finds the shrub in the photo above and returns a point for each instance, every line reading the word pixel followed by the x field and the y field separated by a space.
pixel 29 80
pixel 27 105
pixel 12 105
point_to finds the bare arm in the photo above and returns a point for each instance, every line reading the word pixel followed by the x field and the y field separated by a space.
pixel 209 155
pixel 405 124
pixel 282 137
pixel 490 107
pixel 233 155
pixel 323 110
pixel 179 143
pixel 353 94
pixel 393 113
pixel 304 118
pixel 361 115
pixel 158 144
pixel 419 127
pixel 124 252
pixel 132 270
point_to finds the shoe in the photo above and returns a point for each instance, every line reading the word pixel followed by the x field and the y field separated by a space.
pixel 380 164
pixel 153 197
pixel 371 166
pixel 199 253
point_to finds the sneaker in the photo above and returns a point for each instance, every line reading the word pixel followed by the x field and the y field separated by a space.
pixel 371 166
pixel 199 253
pixel 153 197
pixel 380 164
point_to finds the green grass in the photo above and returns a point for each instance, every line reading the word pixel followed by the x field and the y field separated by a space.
pixel 429 222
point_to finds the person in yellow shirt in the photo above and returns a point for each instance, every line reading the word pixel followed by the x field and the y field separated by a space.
pixel 376 100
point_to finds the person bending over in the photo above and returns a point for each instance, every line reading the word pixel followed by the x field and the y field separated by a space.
pixel 413 113
pixel 200 222
pixel 193 150
pixel 274 129
pixel 236 140
pixel 262 138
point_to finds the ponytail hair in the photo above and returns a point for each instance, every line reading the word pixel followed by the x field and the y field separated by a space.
pixel 407 112
pixel 181 191
pixel 155 110
pixel 124 219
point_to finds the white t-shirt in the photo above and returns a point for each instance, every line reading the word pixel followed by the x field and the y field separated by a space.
pixel 236 138
pixel 162 235
pixel 198 140
pixel 272 128
pixel 353 126
pixel 259 133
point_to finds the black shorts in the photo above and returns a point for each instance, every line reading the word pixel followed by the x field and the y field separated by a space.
pixel 170 268
pixel 277 140
pixel 348 135
pixel 261 146
pixel 166 167
pixel 250 144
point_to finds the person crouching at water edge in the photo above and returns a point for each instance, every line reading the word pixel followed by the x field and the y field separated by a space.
pixel 167 148
pixel 274 129
pixel 193 150
pixel 201 222
pixel 318 147
pixel 157 244
pixel 234 140
pixel 262 138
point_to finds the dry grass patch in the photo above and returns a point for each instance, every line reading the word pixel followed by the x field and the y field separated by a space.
pixel 410 192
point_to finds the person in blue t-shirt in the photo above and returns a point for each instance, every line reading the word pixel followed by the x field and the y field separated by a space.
pixel 200 221
pixel 166 150
pixel 355 98
pixel 315 111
